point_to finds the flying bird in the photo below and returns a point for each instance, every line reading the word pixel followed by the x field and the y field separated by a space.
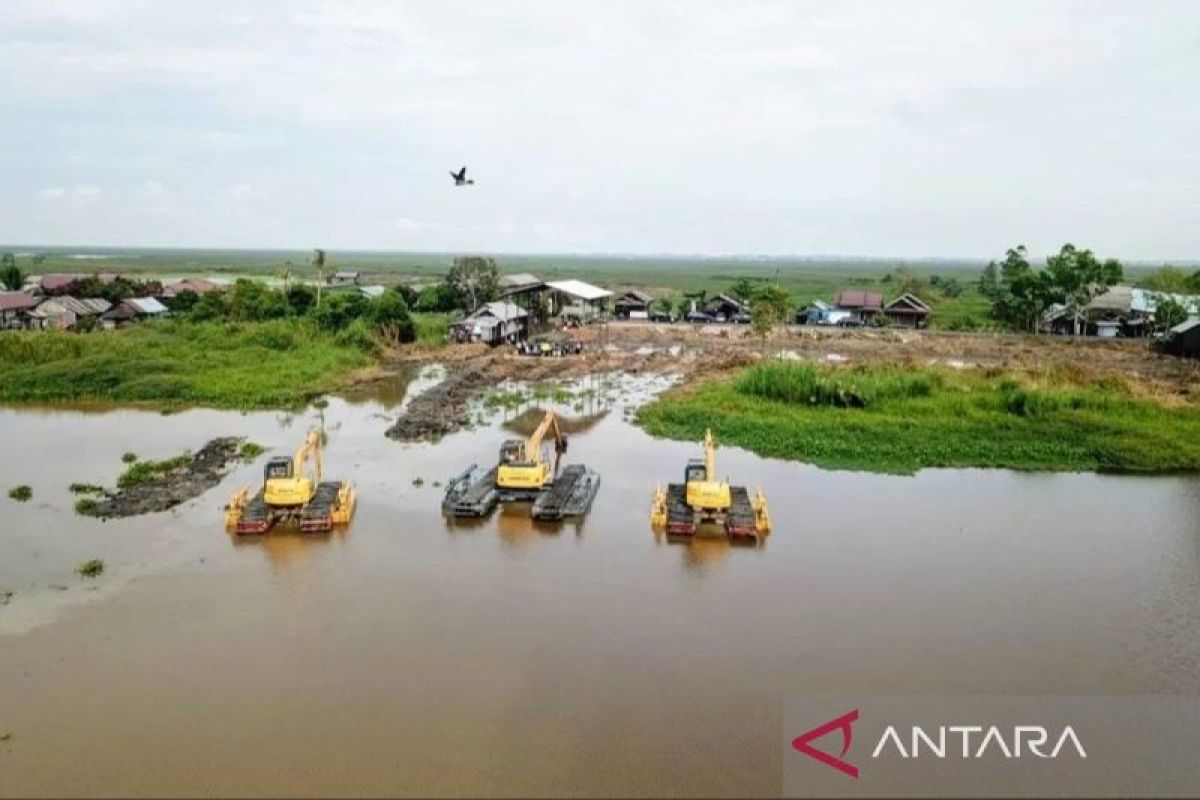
pixel 460 178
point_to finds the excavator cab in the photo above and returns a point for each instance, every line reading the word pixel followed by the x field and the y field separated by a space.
pixel 512 451
pixel 695 471
pixel 278 467
pixel 524 471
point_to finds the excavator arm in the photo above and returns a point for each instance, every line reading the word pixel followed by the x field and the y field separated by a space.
pixel 549 423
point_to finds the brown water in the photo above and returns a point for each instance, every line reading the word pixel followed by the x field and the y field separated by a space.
pixel 412 656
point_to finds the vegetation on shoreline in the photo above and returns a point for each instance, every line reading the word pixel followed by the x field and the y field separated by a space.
pixel 888 419
pixel 276 364
pixel 20 493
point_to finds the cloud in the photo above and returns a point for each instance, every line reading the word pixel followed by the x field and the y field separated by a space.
pixel 929 128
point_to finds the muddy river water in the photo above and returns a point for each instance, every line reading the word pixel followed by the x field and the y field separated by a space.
pixel 408 655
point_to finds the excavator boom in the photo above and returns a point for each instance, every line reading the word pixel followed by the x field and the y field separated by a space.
pixel 523 471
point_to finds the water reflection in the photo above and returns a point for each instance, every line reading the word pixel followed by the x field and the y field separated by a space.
pixel 707 551
pixel 285 546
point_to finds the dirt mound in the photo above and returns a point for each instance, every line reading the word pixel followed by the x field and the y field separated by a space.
pixel 201 472
pixel 443 408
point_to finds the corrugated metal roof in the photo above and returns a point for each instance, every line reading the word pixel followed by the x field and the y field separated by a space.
pixel 1146 301
pixel 501 311
pixel 584 291
pixel 857 298
pixel 1186 325
pixel 912 300
pixel 519 279
pixel 16 301
pixel 146 305
pixel 372 291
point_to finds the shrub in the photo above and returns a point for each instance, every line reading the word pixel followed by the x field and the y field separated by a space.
pixel 844 388
pixel 129 458
pixel 20 493
pixel 90 568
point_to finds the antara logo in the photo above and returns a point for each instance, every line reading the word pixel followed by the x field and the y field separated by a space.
pixel 1022 739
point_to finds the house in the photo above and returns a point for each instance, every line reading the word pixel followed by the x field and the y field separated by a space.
pixel 1183 340
pixel 60 282
pixel 574 292
pixel 816 313
pixel 131 309
pixel 343 278
pixel 633 305
pixel 726 308
pixel 492 323
pixel 64 311
pixel 194 285
pixel 15 308
pixel 519 282
pixel 1118 311
pixel 861 305
pixel 908 311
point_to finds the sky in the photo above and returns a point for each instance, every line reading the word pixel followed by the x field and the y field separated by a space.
pixel 910 129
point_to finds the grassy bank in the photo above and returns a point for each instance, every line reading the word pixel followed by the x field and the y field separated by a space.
pixel 902 419
pixel 276 364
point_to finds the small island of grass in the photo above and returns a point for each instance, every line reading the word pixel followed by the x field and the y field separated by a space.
pixel 902 419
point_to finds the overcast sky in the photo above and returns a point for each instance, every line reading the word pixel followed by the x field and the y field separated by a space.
pixel 872 128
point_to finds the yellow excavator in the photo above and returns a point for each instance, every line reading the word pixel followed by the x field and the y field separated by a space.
pixel 293 491
pixel 524 470
pixel 681 508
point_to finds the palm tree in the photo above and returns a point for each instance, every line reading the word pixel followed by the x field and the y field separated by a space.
pixel 318 261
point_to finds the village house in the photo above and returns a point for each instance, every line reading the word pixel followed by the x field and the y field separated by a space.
pixel 908 311
pixel 132 309
pixel 1183 340
pixel 344 278
pixel 726 308
pixel 64 312
pixel 576 300
pixel 1119 311
pixel 15 308
pixel 526 291
pixel 861 306
pixel 492 323
pixel 819 312
pixel 633 304
pixel 194 285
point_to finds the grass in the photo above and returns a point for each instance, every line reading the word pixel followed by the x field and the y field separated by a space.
pixel 86 488
pixel 251 450
pixel 430 328
pixel 144 471
pixel 85 505
pixel 277 364
pixel 129 458
pixel 20 493
pixel 918 417
pixel 91 568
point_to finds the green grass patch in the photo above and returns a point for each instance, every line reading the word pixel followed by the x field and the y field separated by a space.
pixel 20 493
pixel 430 327
pixel 91 568
pixel 85 505
pixel 129 458
pixel 86 488
pixel 276 364
pixel 251 450
pixel 918 417
pixel 143 471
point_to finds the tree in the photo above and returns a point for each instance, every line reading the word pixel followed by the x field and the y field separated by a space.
pixel 772 306
pixel 475 279
pixel 11 277
pixel 662 305
pixel 340 310
pixel 390 316
pixel 317 259
pixel 210 306
pixel 1077 276
pixel 300 298
pixel 1168 279
pixel 907 281
pixel 989 282
pixel 438 297
pixel 183 302
pixel 1019 294
pixel 744 288
pixel 1169 312
pixel 950 287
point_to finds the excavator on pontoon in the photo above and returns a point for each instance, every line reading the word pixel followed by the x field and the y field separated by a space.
pixel 293 491
pixel 526 472
pixel 681 508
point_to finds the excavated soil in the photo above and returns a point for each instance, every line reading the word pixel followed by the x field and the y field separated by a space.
pixel 696 351
pixel 205 470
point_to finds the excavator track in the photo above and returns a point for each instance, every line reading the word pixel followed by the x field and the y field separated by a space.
pixel 257 517
pixel 570 495
pixel 472 493
pixel 681 520
pixel 317 514
pixel 740 520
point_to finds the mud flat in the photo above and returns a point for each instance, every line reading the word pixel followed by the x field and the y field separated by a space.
pixel 167 489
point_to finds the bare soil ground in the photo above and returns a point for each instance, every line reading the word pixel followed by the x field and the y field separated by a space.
pixel 695 351
pixel 205 470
